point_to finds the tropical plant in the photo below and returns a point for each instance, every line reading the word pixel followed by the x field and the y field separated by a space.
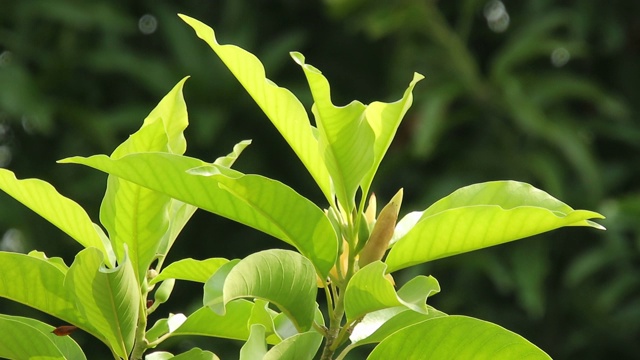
pixel 268 297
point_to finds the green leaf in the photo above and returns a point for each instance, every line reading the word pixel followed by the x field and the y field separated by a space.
pixel 254 200
pixel 346 138
pixel 281 107
pixel 165 326
pixel 456 337
pixel 483 215
pixel 190 269
pixel 108 299
pixel 377 325
pixel 284 278
pixel 24 338
pixel 384 119
pixel 135 215
pixel 303 346
pixel 369 291
pixel 256 345
pixel 193 354
pixel 62 212
pixel 234 324
pixel 180 213
pixel 39 284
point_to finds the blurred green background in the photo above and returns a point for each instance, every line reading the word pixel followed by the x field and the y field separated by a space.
pixel 539 91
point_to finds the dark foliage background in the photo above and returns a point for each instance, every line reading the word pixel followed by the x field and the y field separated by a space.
pixel 539 91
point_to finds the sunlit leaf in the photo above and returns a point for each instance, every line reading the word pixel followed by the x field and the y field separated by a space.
pixel 24 338
pixel 193 354
pixel 369 290
pixel 108 299
pixel 346 138
pixel 281 107
pixel 135 215
pixel 190 269
pixel 256 346
pixel 254 200
pixel 303 346
pixel 62 212
pixel 38 283
pixel 284 278
pixel 232 325
pixel 456 337
pixel 483 215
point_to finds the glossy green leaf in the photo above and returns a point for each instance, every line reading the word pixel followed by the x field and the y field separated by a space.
pixel 254 200
pixel 346 138
pixel 456 337
pixel 281 107
pixel 39 284
pixel 62 212
pixel 108 299
pixel 55 261
pixel 377 325
pixel 256 346
pixel 234 324
pixel 303 346
pixel 369 291
pixel 190 269
pixel 24 338
pixel 135 215
pixel 483 215
pixel 284 278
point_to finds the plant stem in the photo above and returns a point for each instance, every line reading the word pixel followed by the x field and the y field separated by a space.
pixel 141 344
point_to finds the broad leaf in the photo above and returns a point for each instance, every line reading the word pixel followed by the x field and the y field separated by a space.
pixel 256 345
pixel 483 215
pixel 62 212
pixel 38 283
pixel 108 299
pixel 135 215
pixel 24 338
pixel 281 107
pixel 193 354
pixel 180 212
pixel 302 346
pixel 254 200
pixel 456 337
pixel 284 278
pixel 234 324
pixel 377 325
pixel 190 269
pixel 346 138
pixel 369 291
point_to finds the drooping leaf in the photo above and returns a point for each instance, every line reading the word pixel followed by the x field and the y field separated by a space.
pixel 25 338
pixel 254 200
pixel 369 291
pixel 109 299
pixel 190 269
pixel 38 283
pixel 346 138
pixel 483 215
pixel 62 212
pixel 135 215
pixel 281 107
pixel 456 337
pixel 303 346
pixel 284 278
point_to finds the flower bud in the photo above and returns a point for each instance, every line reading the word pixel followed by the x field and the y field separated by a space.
pixel 382 232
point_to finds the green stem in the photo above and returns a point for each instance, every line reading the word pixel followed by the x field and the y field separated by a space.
pixel 141 344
